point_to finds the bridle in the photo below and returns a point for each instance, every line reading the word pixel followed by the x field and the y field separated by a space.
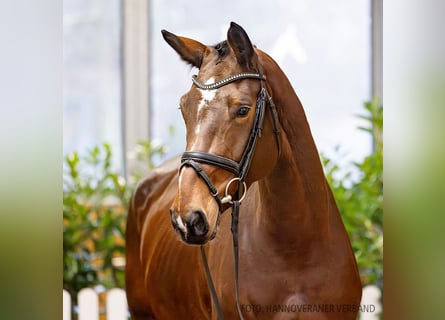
pixel 239 169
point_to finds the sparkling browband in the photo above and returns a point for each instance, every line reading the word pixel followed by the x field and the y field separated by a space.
pixel 223 82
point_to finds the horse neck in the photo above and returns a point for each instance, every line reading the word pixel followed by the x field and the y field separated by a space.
pixel 297 185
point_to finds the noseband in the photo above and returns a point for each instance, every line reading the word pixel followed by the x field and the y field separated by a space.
pixel 239 169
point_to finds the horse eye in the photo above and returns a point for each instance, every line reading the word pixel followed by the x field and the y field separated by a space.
pixel 242 111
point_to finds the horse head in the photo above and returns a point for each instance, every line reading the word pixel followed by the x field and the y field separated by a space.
pixel 223 113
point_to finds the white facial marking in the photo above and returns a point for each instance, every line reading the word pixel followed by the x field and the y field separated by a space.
pixel 206 97
pixel 181 224
pixel 197 129
pixel 178 218
pixel 179 188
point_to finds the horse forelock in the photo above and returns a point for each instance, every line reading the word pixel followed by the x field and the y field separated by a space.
pixel 222 49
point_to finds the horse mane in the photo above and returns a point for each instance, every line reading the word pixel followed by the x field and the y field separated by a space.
pixel 293 120
pixel 276 75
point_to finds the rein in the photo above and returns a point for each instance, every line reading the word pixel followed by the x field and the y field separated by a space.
pixel 239 169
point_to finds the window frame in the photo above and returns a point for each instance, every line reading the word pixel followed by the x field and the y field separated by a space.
pixel 136 77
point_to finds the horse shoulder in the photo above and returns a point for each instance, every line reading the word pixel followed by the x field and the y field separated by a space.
pixel 145 195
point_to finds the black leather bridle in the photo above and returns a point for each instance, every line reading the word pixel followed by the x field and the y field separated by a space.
pixel 239 169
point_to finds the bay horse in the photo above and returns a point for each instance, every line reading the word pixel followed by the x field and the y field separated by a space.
pixel 248 145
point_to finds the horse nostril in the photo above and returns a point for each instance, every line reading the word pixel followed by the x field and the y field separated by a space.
pixel 196 223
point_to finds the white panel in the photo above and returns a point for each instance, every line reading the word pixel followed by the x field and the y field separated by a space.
pixel 136 77
pixel 66 305
pixel 88 304
pixel 116 305
pixel 371 305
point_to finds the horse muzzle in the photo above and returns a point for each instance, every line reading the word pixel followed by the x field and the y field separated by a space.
pixel 193 229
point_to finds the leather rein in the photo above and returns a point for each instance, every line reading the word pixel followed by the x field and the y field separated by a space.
pixel 239 169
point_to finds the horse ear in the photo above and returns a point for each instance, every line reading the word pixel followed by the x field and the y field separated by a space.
pixel 240 43
pixel 189 50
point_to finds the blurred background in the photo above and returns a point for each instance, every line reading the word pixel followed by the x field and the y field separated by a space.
pixel 122 82
pixel 121 88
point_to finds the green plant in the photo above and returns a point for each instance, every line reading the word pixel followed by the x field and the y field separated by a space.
pixel 361 200
pixel 143 154
pixel 95 202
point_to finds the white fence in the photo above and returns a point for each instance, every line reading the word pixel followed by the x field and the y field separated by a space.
pixel 115 307
pixel 88 305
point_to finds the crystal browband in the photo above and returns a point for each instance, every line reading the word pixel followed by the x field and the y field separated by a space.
pixel 223 82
